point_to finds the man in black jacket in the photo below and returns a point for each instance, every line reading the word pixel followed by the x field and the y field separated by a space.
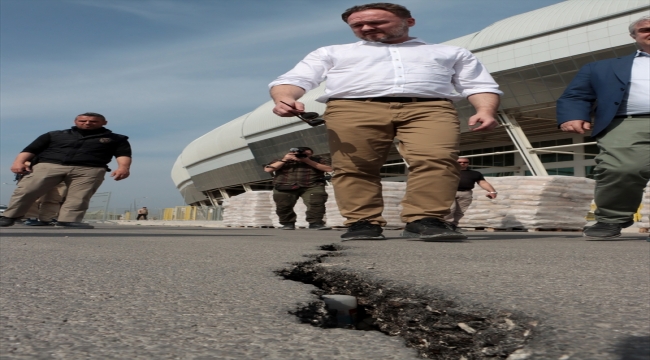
pixel 79 157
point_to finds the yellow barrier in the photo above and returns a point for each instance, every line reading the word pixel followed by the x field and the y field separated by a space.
pixel 168 214
pixel 190 213
pixel 590 215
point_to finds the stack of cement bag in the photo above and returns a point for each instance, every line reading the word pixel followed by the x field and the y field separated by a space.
pixel 252 208
pixel 532 202
pixel 393 193
pixel 645 209
pixel 332 213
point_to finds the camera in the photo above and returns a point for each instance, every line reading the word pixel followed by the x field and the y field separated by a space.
pixel 297 152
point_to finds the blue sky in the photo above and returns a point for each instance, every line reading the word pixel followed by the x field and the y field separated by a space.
pixel 165 72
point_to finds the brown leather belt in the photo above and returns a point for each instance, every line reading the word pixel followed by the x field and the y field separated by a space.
pixel 388 99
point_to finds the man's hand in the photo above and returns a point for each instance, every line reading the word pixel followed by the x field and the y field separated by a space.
pixel 290 157
pixel 284 110
pixel 288 94
pixel 120 173
pixel 486 105
pixel 22 163
pixel 491 196
pixel 576 126
pixel 21 168
pixel 487 121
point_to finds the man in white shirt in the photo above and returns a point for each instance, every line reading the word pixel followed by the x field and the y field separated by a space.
pixel 621 127
pixel 391 85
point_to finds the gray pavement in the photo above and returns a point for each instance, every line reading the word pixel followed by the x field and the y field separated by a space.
pixel 197 293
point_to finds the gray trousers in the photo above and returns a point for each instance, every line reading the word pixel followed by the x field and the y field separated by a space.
pixel 82 183
pixel 622 169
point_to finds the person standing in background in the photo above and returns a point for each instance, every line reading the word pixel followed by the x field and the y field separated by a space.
pixel 464 194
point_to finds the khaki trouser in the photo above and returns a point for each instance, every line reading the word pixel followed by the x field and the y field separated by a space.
pixel 622 169
pixel 459 206
pixel 314 198
pixel 361 134
pixel 82 182
pixel 46 208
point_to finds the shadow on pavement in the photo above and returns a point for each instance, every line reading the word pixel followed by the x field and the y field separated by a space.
pixel 634 348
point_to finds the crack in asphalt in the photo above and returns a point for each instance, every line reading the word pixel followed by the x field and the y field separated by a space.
pixel 436 327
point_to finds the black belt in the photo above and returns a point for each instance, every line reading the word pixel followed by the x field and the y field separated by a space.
pixel 632 116
pixel 388 99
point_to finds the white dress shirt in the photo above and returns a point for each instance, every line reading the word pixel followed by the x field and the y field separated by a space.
pixel 638 96
pixel 409 69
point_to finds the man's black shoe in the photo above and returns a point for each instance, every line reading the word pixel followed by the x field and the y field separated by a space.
pixel 601 230
pixel 7 221
pixel 288 226
pixel 363 230
pixel 319 226
pixel 73 225
pixel 36 222
pixel 431 229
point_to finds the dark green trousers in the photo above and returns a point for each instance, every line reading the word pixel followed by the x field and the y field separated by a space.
pixel 314 198
pixel 622 169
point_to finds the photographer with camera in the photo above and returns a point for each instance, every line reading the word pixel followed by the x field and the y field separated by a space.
pixel 300 174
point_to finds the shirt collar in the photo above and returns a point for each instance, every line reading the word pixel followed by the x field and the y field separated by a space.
pixel 410 41
pixel 640 53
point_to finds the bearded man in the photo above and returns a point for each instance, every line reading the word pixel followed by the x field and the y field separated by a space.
pixel 391 85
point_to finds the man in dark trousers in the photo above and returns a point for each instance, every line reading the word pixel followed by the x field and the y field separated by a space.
pixel 299 174
pixel 464 194
pixel 79 157
pixel 621 89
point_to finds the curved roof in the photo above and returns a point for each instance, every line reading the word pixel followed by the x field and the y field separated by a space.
pixel 221 140
pixel 262 119
pixel 544 20
pixel 179 173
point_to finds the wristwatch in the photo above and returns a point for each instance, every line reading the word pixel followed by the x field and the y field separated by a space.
pixel 493 192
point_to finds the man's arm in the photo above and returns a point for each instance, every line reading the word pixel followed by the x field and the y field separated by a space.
pixel 19 166
pixel 289 94
pixel 488 187
pixel 278 164
pixel 486 105
pixel 574 106
pixel 123 168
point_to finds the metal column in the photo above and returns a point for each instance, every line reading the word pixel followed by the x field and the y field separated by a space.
pixel 224 194
pixel 522 144
pixel 212 199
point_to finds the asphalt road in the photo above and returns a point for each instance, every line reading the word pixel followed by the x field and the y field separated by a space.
pixel 132 292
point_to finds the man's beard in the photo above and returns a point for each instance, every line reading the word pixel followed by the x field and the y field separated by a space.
pixel 388 36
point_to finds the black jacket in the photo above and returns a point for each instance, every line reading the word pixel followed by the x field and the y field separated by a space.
pixel 94 148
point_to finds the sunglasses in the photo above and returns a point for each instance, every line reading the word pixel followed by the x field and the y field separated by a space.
pixel 311 118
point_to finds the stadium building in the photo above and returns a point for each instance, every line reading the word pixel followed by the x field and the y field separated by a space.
pixel 533 56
